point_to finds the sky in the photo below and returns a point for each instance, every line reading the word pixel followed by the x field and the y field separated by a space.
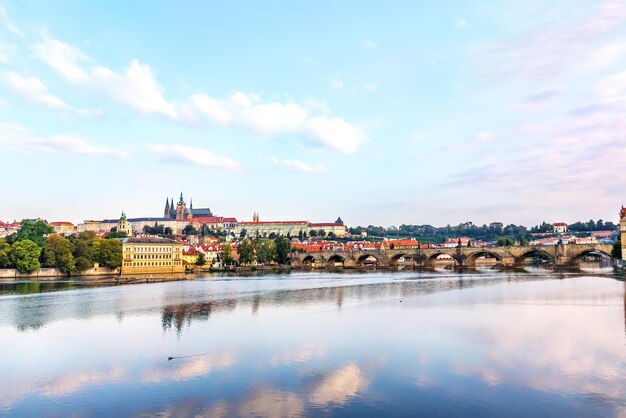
pixel 383 113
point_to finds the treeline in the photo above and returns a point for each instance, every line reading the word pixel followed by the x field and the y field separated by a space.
pixel 35 245
pixel 491 232
pixel 589 226
pixel 263 251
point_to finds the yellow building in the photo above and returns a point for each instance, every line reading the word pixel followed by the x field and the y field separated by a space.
pixel 151 256
pixel 63 228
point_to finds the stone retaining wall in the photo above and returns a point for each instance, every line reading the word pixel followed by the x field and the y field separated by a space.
pixel 51 273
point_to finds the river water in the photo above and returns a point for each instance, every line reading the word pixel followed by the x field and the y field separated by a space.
pixel 485 344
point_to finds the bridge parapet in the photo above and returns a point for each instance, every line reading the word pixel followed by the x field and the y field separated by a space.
pixel 465 257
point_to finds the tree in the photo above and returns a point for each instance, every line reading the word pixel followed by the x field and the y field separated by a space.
pixel 83 256
pixel 190 230
pixel 25 256
pixel 114 233
pixel 331 235
pixel 109 253
pixel 5 252
pixel 58 253
pixel 283 247
pixel 616 252
pixel 266 251
pixel 201 261
pixel 321 233
pixel 313 233
pixel 226 254
pixel 168 231
pixel 245 249
pixel 33 231
pixel 243 233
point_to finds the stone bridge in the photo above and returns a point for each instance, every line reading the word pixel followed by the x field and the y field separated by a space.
pixel 562 256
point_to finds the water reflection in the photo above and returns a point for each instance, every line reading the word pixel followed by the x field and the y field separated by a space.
pixel 486 344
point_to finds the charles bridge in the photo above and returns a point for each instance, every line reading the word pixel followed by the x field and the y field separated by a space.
pixel 561 256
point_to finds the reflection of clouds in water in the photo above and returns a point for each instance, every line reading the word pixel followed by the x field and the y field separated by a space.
pixel 339 385
pixel 300 354
pixel 189 369
pixel 57 386
pixel 520 346
pixel 272 403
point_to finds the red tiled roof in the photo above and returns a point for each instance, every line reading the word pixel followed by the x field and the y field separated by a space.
pixel 59 223
pixel 273 222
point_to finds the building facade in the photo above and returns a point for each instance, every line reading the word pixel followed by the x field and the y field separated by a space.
pixel 151 256
pixel 622 231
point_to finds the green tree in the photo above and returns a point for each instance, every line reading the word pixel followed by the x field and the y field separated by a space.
pixel 58 253
pixel 5 252
pixel 313 233
pixel 201 261
pixel 83 255
pixel 25 256
pixel 245 249
pixel 266 251
pixel 243 233
pixel 616 252
pixel 190 230
pixel 109 253
pixel 283 247
pixel 116 234
pixel 33 231
pixel 226 254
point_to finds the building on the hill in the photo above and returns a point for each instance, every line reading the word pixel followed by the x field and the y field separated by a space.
pixel 8 228
pixel 622 231
pixel 63 228
pixel 151 256
pixel 180 211
pixel 124 226
pixel 559 227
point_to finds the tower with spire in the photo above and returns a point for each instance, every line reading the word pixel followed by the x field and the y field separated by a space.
pixel 124 225
pixel 166 213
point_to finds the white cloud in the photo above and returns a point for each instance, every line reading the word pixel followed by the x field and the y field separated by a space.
pixel 371 87
pixel 606 55
pixel 63 58
pixel 138 88
pixel 195 156
pixel 89 113
pixel 369 44
pixel 17 138
pixel 336 83
pixel 33 90
pixel 611 86
pixel 552 48
pixel 8 23
pixel 335 133
pixel 461 23
pixel 299 166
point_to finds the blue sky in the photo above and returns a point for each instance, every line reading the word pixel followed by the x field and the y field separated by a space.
pixel 389 113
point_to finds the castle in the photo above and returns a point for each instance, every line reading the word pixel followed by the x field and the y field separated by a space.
pixel 180 211
pixel 622 230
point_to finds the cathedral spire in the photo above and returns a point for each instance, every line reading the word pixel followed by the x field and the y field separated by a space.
pixel 181 201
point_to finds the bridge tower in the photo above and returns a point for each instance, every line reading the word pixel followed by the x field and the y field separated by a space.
pixel 622 230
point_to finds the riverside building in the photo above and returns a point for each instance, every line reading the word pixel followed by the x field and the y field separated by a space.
pixel 151 256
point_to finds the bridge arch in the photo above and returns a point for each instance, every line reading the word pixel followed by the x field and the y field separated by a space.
pixel 580 254
pixel 334 259
pixel 360 260
pixel 308 260
pixel 533 252
pixel 470 261
pixel 429 261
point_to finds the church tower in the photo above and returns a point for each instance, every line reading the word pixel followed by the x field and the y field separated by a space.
pixel 622 231
pixel 166 212
pixel 181 209
pixel 124 225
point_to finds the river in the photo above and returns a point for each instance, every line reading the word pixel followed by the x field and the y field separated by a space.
pixel 484 344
